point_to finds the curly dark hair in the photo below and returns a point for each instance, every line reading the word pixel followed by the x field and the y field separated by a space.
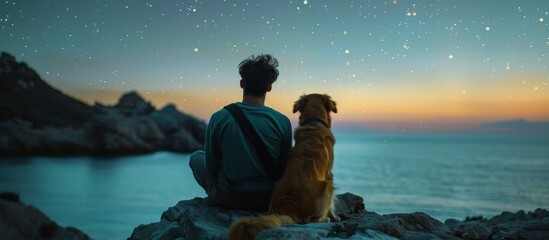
pixel 258 73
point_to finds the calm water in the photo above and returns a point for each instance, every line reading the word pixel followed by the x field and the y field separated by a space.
pixel 444 176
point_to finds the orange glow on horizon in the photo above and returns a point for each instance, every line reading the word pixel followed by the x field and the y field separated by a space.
pixel 510 99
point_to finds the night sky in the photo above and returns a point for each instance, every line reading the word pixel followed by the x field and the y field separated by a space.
pixel 409 64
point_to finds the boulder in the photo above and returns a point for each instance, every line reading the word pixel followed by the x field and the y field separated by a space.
pixel 21 221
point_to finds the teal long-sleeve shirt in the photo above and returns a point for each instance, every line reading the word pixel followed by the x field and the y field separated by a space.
pixel 230 154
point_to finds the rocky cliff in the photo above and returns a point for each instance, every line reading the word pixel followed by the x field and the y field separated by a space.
pixel 197 219
pixel 35 118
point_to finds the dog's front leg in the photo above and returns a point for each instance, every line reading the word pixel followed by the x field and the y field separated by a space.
pixel 332 216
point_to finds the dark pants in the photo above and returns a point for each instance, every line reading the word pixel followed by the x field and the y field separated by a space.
pixel 208 181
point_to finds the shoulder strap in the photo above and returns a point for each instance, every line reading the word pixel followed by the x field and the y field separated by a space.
pixel 252 135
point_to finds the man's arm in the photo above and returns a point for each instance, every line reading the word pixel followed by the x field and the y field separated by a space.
pixel 212 147
pixel 285 150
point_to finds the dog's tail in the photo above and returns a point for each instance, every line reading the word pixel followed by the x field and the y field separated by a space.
pixel 247 228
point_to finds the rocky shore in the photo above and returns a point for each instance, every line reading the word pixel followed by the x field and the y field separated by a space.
pixel 21 221
pixel 37 119
pixel 197 219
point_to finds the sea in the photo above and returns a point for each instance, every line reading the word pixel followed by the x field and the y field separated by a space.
pixel 443 175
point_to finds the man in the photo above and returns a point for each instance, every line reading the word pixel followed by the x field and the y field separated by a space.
pixel 230 169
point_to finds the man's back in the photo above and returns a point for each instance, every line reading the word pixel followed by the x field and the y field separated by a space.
pixel 229 169
pixel 229 150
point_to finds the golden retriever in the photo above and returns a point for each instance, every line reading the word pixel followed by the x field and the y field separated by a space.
pixel 305 192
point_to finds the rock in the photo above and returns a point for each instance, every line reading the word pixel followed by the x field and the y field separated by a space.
pixel 197 219
pixel 21 221
pixel 471 230
pixel 182 141
pixel 24 95
pixel 348 203
pixel 36 119
pixel 407 226
pixel 452 223
pixel 132 104
pixel 168 118
pixel 7 62
pixel 191 219
pixel 521 225
pixel 18 136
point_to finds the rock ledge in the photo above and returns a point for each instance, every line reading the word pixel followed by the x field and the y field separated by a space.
pixel 197 219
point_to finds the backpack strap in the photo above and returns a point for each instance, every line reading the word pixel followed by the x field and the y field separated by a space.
pixel 247 129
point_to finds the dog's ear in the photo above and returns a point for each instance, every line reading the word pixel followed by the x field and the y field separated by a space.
pixel 330 104
pixel 300 104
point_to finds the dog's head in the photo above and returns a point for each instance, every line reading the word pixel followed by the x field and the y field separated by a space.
pixel 315 107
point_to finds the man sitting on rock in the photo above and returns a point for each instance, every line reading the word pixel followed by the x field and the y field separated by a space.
pixel 230 169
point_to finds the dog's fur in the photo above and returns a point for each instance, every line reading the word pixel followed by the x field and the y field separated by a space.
pixel 305 192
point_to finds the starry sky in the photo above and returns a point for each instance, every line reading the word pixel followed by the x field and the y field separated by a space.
pixel 397 64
